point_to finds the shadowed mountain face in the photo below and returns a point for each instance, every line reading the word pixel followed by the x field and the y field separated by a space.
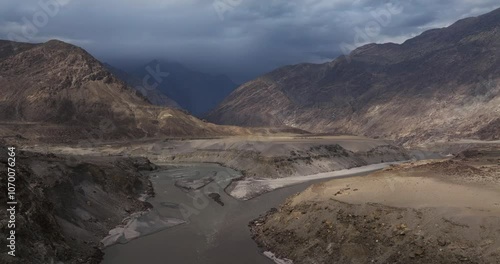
pixel 194 91
pixel 58 90
pixel 154 96
pixel 442 84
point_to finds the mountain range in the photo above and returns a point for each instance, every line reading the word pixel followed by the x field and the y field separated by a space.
pixel 442 84
pixel 57 90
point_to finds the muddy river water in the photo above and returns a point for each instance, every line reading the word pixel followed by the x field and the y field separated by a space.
pixel 216 228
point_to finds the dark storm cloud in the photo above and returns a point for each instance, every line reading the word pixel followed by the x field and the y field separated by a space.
pixel 239 37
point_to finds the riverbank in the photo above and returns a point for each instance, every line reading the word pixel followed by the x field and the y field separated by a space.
pixel 445 211
pixel 249 188
pixel 67 204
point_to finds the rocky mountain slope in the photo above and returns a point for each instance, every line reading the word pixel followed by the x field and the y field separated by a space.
pixel 442 84
pixel 57 90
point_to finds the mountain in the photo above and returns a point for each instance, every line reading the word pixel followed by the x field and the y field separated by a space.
pixel 154 96
pixel 442 84
pixel 57 90
pixel 194 91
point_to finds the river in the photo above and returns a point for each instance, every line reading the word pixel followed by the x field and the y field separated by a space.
pixel 214 232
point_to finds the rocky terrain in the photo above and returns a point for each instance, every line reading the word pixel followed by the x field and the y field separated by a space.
pixel 444 211
pixel 67 204
pixel 57 91
pixel 443 84
pixel 263 157
pixel 266 163
pixel 301 159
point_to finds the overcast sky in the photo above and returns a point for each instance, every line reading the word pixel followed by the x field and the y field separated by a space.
pixel 241 38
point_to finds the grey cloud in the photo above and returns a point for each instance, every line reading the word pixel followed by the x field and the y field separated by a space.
pixel 253 37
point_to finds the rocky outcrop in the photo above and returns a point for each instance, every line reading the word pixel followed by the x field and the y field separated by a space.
pixel 66 205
